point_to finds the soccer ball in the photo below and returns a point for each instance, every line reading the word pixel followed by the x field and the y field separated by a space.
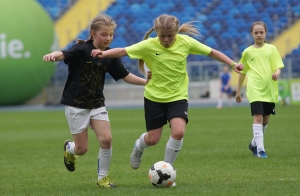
pixel 162 174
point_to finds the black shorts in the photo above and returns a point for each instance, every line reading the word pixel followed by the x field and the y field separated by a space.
pixel 158 114
pixel 264 108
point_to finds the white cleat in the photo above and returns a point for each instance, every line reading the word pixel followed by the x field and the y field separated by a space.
pixel 136 157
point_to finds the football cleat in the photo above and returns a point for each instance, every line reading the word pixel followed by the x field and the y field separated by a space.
pixel 69 159
pixel 136 157
pixel 106 183
pixel 253 149
pixel 262 154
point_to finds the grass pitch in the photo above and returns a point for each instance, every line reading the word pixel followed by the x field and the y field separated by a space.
pixel 214 160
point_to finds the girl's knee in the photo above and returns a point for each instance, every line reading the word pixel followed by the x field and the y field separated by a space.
pixel 81 150
pixel 258 119
pixel 178 135
pixel 153 140
pixel 105 142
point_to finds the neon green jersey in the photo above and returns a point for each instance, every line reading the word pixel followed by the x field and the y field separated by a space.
pixel 169 80
pixel 259 65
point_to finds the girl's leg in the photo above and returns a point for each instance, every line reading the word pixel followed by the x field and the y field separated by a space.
pixel 258 136
pixel 150 138
pixel 220 101
pixel 104 137
pixel 78 128
pixel 229 96
pixel 264 127
pixel 79 146
pixel 175 141
pixel 265 122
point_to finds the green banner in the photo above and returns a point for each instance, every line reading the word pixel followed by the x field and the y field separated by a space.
pixel 284 92
pixel 295 91
pixel 26 34
pixel 289 92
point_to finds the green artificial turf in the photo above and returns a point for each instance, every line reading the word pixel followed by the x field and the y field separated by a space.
pixel 214 159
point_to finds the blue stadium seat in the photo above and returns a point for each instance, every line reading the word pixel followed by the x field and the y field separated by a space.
pixel 222 28
pixel 296 10
pixel 55 7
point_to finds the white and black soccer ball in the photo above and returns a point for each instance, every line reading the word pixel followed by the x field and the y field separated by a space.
pixel 162 174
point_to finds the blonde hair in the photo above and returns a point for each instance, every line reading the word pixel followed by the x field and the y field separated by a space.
pixel 166 21
pixel 98 21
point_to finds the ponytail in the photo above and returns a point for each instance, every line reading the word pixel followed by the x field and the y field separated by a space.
pixel 190 29
pixel 140 61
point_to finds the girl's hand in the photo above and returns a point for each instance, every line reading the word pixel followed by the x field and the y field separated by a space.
pixel 49 57
pixel 275 76
pixel 238 97
pixel 238 67
pixel 149 75
pixel 97 52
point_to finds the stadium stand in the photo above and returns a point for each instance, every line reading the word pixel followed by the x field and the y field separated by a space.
pixel 56 8
pixel 224 29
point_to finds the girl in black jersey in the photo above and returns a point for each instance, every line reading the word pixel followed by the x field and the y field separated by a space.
pixel 83 94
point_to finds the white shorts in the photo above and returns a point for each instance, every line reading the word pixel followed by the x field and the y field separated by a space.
pixel 79 119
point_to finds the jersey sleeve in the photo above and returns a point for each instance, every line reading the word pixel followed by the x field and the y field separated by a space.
pixel 198 48
pixel 276 60
pixel 117 70
pixel 75 52
pixel 137 51
pixel 243 60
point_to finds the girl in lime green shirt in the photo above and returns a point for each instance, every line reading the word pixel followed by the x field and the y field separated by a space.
pixel 262 64
pixel 166 94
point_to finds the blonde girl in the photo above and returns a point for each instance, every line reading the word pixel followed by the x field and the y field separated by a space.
pixel 166 94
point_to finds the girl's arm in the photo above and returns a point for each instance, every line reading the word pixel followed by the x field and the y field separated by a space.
pixel 238 96
pixel 276 74
pixel 219 56
pixel 133 79
pixel 54 56
pixel 111 53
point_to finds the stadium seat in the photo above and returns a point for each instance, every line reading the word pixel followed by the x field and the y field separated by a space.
pixel 224 29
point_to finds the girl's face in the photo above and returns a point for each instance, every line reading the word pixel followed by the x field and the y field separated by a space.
pixel 225 69
pixel 259 34
pixel 103 37
pixel 166 37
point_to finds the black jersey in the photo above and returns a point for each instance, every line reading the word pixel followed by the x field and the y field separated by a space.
pixel 85 83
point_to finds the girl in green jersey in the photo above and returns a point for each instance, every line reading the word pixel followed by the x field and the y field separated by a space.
pixel 166 94
pixel 262 65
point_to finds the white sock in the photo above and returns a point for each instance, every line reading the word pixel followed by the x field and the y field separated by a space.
pixel 230 102
pixel 104 157
pixel 71 148
pixel 220 102
pixel 172 149
pixel 264 128
pixel 258 136
pixel 141 145
pixel 253 143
